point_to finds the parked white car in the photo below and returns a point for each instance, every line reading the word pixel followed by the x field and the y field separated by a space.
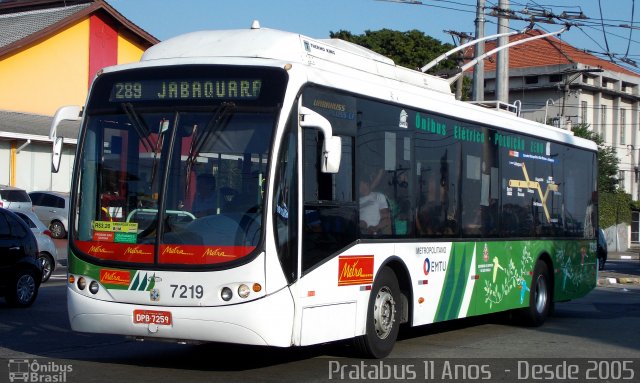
pixel 14 198
pixel 47 252
pixel 53 210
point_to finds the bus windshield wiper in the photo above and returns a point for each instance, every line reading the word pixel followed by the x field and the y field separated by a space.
pixel 143 131
pixel 139 125
pixel 219 121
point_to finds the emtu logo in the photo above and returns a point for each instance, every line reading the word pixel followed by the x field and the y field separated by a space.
pixel 433 267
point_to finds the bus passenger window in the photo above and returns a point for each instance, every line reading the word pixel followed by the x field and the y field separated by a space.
pixel 375 216
pixel 330 213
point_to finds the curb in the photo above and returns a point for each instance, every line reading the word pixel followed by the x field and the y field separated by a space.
pixel 614 281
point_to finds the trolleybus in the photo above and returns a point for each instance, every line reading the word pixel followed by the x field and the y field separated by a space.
pixel 261 187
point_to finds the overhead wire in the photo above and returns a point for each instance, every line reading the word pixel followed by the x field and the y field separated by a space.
pixel 633 6
pixel 604 32
pixel 598 24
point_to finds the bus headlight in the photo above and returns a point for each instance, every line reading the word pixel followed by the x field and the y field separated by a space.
pixel 226 294
pixel 243 291
pixel 82 283
pixel 94 287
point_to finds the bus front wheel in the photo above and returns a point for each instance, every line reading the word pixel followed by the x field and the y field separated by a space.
pixel 540 297
pixel 383 317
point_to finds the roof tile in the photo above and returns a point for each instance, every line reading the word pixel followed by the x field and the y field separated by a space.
pixel 16 26
pixel 549 51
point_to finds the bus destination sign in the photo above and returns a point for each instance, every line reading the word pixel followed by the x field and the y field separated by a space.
pixel 176 90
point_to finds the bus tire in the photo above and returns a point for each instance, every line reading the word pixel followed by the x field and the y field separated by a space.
pixel 540 297
pixel 383 317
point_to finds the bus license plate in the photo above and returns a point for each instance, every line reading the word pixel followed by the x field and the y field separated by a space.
pixel 150 316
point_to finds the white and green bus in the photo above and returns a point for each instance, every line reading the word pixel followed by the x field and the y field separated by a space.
pixel 261 187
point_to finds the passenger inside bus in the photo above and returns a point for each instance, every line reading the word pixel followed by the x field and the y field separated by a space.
pixel 374 209
pixel 206 198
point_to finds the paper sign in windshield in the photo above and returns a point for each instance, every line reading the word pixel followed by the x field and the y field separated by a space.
pixel 119 227
pixel 119 232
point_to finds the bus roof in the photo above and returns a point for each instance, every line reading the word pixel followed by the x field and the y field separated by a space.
pixel 329 54
pixel 289 47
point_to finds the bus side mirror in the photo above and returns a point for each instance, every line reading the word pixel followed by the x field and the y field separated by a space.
pixel 71 113
pixel 332 145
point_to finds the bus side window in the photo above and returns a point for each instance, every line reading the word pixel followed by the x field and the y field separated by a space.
pixel 330 216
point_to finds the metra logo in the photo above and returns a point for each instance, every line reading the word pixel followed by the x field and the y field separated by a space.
pixel 99 249
pixel 136 251
pixel 175 250
pixel 216 253
pixel 355 270
pixel 115 277
pixel 433 267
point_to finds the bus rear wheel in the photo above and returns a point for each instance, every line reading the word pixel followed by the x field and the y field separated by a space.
pixel 383 317
pixel 540 297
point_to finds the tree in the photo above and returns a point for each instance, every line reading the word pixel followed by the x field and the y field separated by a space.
pixel 411 49
pixel 607 159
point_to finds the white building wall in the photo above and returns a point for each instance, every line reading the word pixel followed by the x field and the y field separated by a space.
pixel 61 181
pixel 33 167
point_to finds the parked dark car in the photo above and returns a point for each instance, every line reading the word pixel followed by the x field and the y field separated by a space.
pixel 20 270
pixel 602 249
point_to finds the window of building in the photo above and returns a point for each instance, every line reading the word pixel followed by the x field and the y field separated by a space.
pixel 583 111
pixel 603 120
pixel 531 80
pixel 623 126
pixel 555 78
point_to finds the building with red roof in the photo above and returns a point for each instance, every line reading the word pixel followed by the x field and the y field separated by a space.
pixel 551 78
pixel 50 51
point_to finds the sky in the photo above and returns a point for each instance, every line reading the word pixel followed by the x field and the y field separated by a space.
pixel 168 18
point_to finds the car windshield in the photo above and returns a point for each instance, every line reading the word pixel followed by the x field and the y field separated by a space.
pixel 178 183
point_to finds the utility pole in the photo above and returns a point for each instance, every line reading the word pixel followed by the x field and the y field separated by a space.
pixel 464 37
pixel 569 78
pixel 478 73
pixel 460 82
pixel 502 61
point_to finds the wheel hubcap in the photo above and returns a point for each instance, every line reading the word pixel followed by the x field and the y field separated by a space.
pixel 46 267
pixel 56 230
pixel 541 294
pixel 25 288
pixel 384 312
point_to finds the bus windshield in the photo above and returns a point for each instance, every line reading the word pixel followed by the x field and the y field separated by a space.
pixel 173 164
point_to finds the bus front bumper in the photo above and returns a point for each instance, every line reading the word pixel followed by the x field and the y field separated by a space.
pixel 267 321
